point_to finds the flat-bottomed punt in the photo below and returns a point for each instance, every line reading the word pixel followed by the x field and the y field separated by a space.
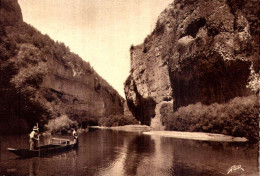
pixel 55 146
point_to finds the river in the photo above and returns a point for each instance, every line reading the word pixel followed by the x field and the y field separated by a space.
pixel 112 153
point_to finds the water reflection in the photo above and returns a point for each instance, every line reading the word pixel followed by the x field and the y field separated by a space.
pixel 105 152
pixel 147 155
pixel 34 167
pixel 210 158
pixel 139 148
pixel 74 157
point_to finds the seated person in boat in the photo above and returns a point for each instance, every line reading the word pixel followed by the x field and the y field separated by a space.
pixel 34 137
pixel 75 136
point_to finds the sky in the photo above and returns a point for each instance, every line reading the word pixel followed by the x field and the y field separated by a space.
pixel 99 31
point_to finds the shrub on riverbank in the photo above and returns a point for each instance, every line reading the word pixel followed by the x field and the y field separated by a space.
pixel 117 120
pixel 238 117
pixel 61 124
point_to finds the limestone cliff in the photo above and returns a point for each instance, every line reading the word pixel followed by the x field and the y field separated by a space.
pixel 41 79
pixel 200 51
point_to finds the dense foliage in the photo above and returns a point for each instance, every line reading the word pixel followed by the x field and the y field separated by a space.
pixel 238 117
pixel 117 120
pixel 61 124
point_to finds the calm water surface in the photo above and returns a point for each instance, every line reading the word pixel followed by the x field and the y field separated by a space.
pixel 106 152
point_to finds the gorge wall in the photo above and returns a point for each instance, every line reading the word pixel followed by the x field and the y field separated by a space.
pixel 41 79
pixel 200 51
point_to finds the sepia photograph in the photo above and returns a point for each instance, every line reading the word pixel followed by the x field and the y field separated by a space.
pixel 129 87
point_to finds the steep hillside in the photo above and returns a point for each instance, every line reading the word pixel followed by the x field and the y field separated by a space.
pixel 200 51
pixel 41 79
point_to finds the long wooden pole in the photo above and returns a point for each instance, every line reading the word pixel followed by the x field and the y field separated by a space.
pixel 38 141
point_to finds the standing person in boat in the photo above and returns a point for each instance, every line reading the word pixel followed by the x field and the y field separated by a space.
pixel 34 137
pixel 75 137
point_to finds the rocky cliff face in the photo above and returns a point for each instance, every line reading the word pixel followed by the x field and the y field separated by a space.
pixel 41 79
pixel 200 51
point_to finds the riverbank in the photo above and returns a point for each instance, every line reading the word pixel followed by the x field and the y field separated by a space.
pixel 146 130
pixel 197 136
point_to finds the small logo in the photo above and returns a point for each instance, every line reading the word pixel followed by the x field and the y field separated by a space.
pixel 235 167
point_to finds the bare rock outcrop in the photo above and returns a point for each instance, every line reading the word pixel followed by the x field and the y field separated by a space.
pixel 200 51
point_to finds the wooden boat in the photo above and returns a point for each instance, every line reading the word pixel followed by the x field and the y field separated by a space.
pixel 55 146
